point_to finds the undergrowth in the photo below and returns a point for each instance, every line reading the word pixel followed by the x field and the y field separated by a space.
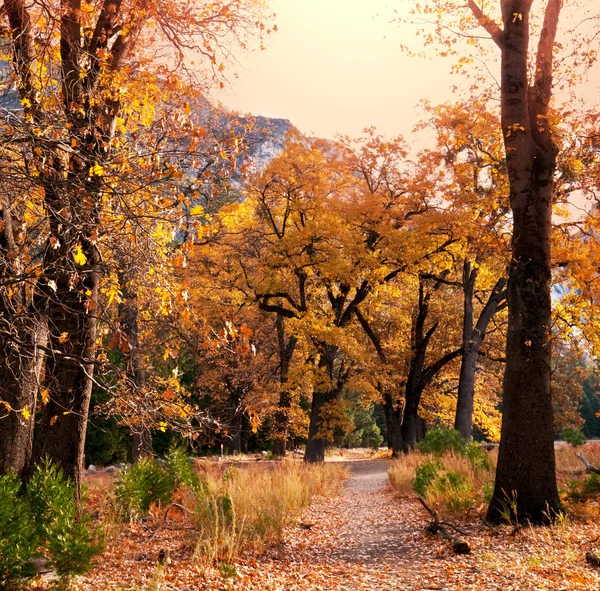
pixel 247 509
pixel 447 472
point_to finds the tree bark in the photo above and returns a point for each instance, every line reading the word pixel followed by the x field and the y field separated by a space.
pixel 393 417
pixel 141 444
pixel 20 372
pixel 420 375
pixel 315 446
pixel 526 464
pixel 472 341
pixel 60 431
pixel 23 340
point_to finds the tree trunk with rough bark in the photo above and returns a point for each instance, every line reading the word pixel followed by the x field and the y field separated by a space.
pixel 472 341
pixel 420 375
pixel 526 464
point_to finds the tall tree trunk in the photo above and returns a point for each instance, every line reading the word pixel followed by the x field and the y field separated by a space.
pixel 315 446
pixel 420 375
pixel 526 463
pixel 60 432
pixel 472 340
pixel 317 442
pixel 136 370
pixel 20 369
pixel 23 340
pixel 393 418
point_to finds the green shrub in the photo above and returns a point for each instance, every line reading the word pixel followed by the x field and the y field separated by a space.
pixel 573 436
pixel 453 489
pixel 43 520
pixel 147 483
pixel 442 440
pixel 181 471
pixel 425 474
pixel 591 485
pixel 477 456
pixel 69 536
pixel 18 534
pixel 139 487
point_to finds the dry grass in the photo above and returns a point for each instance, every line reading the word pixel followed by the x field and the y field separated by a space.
pixel 567 460
pixel 247 509
pixel 459 486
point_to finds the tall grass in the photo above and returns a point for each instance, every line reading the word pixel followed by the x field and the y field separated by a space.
pixel 247 509
pixel 449 483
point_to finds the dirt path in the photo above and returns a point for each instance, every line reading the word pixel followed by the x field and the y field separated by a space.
pixel 372 539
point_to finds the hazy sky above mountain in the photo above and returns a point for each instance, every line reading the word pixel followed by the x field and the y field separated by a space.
pixel 335 66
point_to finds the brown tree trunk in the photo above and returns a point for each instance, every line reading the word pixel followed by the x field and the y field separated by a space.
pixel 393 418
pixel 526 464
pixel 23 340
pixel 20 372
pixel 315 446
pixel 336 376
pixel 141 445
pixel 420 375
pixel 60 431
pixel 472 340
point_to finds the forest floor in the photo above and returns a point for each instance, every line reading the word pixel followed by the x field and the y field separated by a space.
pixel 370 538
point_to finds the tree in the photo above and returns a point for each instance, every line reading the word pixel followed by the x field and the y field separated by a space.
pixel 88 80
pixel 526 464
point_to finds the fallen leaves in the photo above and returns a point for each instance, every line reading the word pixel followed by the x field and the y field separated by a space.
pixel 370 539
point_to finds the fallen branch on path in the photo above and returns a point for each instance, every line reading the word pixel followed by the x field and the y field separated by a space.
pixel 459 545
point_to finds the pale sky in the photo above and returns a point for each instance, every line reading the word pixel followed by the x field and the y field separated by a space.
pixel 335 66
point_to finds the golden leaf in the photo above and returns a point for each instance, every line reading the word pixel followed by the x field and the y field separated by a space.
pixel 78 256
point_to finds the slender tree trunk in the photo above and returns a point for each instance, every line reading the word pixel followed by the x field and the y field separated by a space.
pixel 136 370
pixel 234 446
pixel 472 341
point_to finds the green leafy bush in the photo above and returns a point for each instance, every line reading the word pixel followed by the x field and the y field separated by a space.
pixel 434 483
pixel 42 520
pixel 139 487
pixel 442 440
pixel 573 436
pixel 181 470
pixel 477 456
pixel 147 483
pixel 18 535
pixel 591 485
pixel 425 474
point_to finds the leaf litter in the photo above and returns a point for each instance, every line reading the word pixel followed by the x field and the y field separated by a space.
pixel 369 538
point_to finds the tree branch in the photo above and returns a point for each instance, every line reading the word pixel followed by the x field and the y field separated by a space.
pixel 487 23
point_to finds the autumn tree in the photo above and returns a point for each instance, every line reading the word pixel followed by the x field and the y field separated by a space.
pixel 526 466
pixel 87 76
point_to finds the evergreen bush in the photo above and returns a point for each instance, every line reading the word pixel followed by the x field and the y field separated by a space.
pixel 42 520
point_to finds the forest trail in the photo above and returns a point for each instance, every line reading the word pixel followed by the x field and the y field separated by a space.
pixel 368 538
pixel 371 538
